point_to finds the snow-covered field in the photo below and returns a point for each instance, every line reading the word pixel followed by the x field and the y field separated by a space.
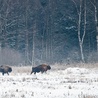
pixel 67 83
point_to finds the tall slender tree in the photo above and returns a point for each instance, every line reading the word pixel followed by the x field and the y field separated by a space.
pixel 80 34
pixel 95 5
pixel 26 33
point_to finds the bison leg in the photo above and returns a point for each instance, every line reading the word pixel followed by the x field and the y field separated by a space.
pixel 7 73
pixel 3 73
pixel 31 72
pixel 34 72
pixel 42 72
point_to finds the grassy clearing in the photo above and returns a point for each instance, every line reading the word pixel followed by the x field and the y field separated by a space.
pixel 55 67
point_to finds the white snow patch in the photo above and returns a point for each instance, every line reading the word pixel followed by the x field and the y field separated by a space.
pixel 68 83
pixel 76 70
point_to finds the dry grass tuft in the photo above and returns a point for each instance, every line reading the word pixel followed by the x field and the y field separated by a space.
pixel 21 69
pixel 88 96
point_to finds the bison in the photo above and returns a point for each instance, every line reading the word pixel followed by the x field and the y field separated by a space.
pixel 5 69
pixel 41 68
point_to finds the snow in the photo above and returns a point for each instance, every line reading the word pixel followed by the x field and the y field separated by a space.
pixel 67 83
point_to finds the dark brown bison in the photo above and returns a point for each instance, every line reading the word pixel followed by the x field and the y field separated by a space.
pixel 41 68
pixel 5 69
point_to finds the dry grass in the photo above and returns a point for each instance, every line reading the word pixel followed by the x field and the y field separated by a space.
pixel 88 96
pixel 81 65
pixel 22 69
pixel 56 66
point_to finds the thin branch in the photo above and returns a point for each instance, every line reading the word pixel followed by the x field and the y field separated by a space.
pixel 84 22
pixel 76 6
pixel 79 23
pixel 92 3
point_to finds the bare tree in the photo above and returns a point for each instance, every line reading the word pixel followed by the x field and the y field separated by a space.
pixel 81 38
pixel 95 5
pixel 3 25
pixel 36 5
pixel 49 31
pixel 26 34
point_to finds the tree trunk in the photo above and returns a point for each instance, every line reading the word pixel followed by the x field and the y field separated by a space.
pixel 33 50
pixel 80 35
pixel 79 31
pixel 95 5
pixel 96 21
pixel 26 36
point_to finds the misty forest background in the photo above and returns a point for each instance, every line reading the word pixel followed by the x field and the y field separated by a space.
pixel 48 31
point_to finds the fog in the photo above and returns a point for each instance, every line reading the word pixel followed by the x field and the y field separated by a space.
pixel 10 57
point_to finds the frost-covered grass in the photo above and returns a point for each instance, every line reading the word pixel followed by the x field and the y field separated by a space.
pixel 71 82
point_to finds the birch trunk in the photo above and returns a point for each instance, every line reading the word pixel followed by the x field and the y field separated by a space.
pixel 81 37
pixel 79 31
pixel 95 5
pixel 96 22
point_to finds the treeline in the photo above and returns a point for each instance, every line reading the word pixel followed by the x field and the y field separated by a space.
pixel 48 31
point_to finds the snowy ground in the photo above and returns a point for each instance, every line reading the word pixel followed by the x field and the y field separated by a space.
pixel 67 83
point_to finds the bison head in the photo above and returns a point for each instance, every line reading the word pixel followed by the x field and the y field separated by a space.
pixel 48 67
pixel 10 69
